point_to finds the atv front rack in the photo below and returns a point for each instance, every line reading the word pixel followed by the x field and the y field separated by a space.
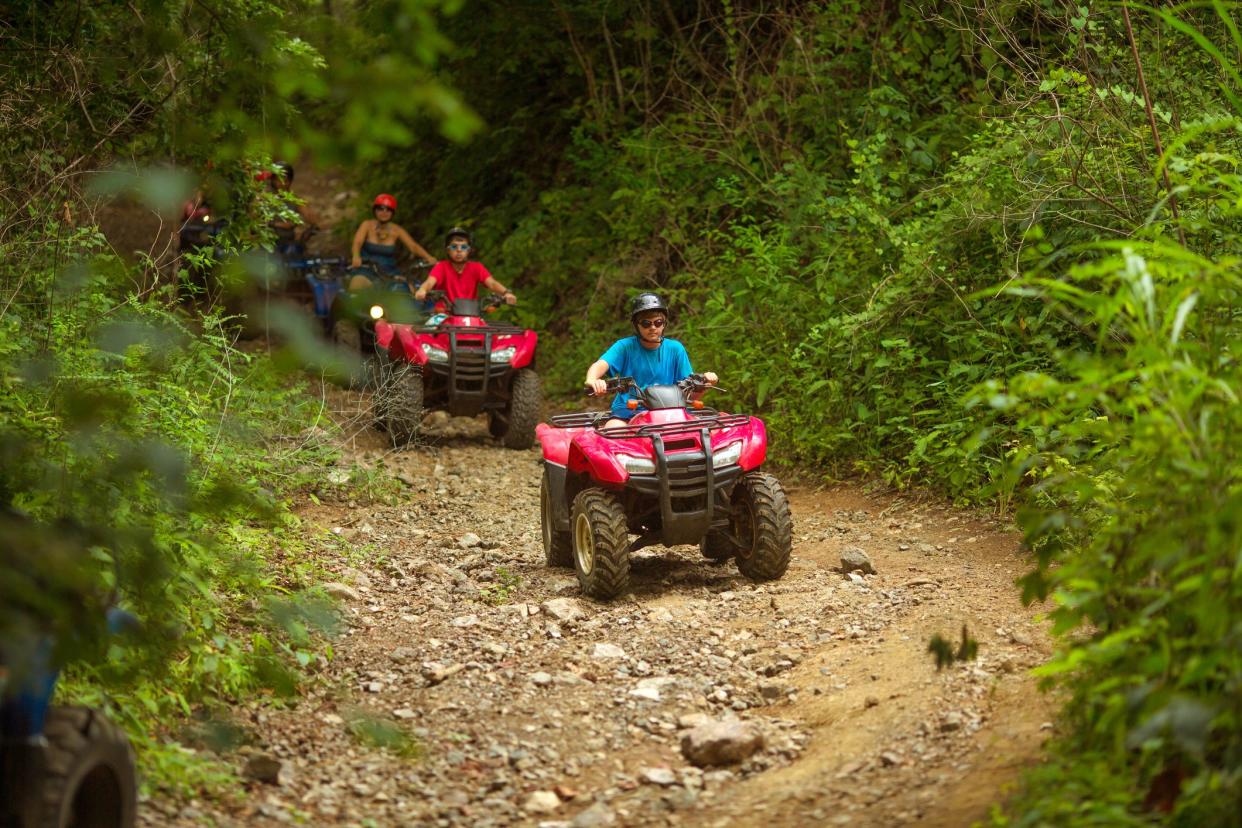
pixel 475 330
pixel 701 420
pixel 584 419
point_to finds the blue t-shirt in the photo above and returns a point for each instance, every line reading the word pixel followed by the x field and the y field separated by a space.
pixel 664 365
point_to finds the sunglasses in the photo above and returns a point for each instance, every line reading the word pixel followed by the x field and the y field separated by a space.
pixel 652 323
pixel 459 247
pixel 382 207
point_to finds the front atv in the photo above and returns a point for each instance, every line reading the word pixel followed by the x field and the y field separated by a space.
pixel 677 473
pixel 462 364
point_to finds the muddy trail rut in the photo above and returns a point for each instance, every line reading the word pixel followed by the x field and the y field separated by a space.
pixel 515 701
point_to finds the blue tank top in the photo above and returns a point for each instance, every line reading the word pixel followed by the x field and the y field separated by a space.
pixel 383 256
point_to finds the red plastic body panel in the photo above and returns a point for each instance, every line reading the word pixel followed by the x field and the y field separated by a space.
pixel 586 451
pixel 406 341
pixel 383 333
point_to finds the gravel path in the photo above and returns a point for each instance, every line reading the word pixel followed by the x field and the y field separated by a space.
pixel 520 703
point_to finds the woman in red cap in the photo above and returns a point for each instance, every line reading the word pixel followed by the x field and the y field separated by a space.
pixel 377 238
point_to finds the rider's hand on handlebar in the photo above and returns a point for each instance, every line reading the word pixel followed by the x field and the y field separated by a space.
pixel 711 378
pixel 420 294
pixel 598 387
pixel 510 299
pixel 356 262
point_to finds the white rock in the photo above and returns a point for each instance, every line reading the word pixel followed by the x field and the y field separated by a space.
pixel 565 610
pixel 648 693
pixel 342 592
pixel 658 776
pixel 541 802
pixel 605 650
pixel 465 620
pixel 469 541
pixel 541 678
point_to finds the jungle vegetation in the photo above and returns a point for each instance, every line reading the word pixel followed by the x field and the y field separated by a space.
pixel 985 247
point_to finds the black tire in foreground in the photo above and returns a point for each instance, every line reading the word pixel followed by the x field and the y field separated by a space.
pixel 716 546
pixel 764 526
pixel 90 780
pixel 524 409
pixel 558 547
pixel 399 402
pixel 601 544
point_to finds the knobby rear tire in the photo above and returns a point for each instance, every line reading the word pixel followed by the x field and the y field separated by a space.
pixel 558 546
pixel 524 409
pixel 90 780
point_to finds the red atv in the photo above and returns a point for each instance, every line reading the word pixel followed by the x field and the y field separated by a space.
pixel 677 473
pixel 459 363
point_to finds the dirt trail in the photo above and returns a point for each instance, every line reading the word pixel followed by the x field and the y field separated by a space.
pixel 524 704
pixel 451 638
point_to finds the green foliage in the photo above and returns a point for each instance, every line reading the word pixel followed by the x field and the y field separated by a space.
pixel 505 587
pixel 139 453
pixel 933 245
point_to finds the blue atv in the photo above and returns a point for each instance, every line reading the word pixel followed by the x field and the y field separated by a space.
pixel 353 313
pixel 60 766
pixel 325 275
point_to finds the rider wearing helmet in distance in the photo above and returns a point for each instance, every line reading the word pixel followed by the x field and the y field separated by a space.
pixel 376 241
pixel 648 356
pixel 459 277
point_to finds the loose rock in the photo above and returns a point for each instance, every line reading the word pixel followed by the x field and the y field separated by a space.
pixel 853 558
pixel 565 610
pixel 721 743
pixel 658 776
pixel 607 651
pixel 541 802
pixel 342 592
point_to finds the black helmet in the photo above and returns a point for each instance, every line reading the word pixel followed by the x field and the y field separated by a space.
pixel 286 169
pixel 646 302
pixel 457 233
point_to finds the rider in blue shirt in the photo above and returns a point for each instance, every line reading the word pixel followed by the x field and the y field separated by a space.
pixel 647 356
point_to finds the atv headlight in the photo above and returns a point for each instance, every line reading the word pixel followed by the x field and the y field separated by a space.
pixel 636 465
pixel 435 354
pixel 503 354
pixel 727 455
pixel 377 311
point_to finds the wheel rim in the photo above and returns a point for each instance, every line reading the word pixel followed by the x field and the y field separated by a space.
pixel 545 506
pixel 584 545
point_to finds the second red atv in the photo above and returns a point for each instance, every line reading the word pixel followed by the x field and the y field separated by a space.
pixel 458 362
pixel 677 473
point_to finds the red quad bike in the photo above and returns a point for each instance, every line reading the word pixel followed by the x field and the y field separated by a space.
pixel 677 473
pixel 460 363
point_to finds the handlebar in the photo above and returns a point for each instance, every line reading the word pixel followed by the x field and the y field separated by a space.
pixel 695 384
pixel 613 385
pixel 488 304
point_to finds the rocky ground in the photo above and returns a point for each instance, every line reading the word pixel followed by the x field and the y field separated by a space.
pixel 700 699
